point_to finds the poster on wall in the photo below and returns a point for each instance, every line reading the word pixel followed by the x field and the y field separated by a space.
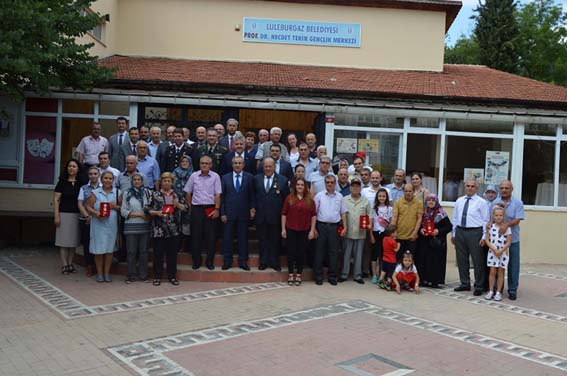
pixel 496 167
pixel 346 145
pixel 39 155
pixel 369 146
pixel 476 174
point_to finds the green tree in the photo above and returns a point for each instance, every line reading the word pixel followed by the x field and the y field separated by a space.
pixel 465 51
pixel 496 33
pixel 543 36
pixel 38 49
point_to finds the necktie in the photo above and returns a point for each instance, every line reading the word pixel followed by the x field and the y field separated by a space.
pixel 230 142
pixel 237 185
pixel 120 139
pixel 210 150
pixel 268 185
pixel 465 210
pixel 134 149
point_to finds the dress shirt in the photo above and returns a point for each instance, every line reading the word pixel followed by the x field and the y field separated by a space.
pixel 356 208
pixel 91 147
pixel 317 181
pixel 395 193
pixel 370 194
pixel 114 171
pixel 149 167
pixel 266 180
pixel 477 213
pixel 153 148
pixel 133 148
pixel 125 181
pixel 234 178
pixel 310 167
pixel 514 210
pixel 329 207
pixel 203 188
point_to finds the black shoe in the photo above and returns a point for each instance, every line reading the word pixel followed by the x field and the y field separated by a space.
pixel 262 267
pixel 245 267
pixel 318 282
pixel 512 296
pixel 210 266
pixel 477 292
pixel 341 280
pixel 196 266
pixel 359 281
pixel 277 268
pixel 462 288
pixel 226 266
pixel 364 275
pixel 435 286
pixel 333 282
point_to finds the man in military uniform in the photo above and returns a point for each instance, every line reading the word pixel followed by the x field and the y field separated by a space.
pixel 175 151
pixel 213 149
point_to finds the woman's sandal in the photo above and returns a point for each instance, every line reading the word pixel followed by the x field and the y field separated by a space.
pixel 290 280
pixel 71 268
pixel 156 282
pixel 174 282
pixel 65 270
pixel 298 280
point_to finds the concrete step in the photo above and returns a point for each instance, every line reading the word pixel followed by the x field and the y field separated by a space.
pixel 253 260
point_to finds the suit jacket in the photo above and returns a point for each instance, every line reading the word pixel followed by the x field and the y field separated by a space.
pixel 161 154
pixel 224 142
pixel 249 163
pixel 172 157
pixel 125 150
pixel 237 205
pixel 285 169
pixel 114 149
pixel 269 204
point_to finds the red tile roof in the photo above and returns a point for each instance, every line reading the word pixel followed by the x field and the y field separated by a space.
pixel 460 83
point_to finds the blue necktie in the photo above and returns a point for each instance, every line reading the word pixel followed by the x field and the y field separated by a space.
pixel 120 139
pixel 465 210
pixel 268 185
pixel 237 185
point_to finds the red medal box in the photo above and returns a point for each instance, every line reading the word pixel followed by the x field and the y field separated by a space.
pixel 429 227
pixel 167 209
pixel 104 210
pixel 340 229
pixel 209 212
pixel 364 222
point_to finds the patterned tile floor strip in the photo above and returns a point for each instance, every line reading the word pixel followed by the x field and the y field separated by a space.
pixel 70 308
pixel 546 275
pixel 523 352
pixel 146 357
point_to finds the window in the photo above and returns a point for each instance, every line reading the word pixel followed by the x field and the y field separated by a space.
pixel 562 200
pixel 369 120
pixel 424 122
pixel 480 126
pixel 423 156
pixel 114 108
pixel 475 156
pixel 540 130
pixel 538 172
pixel 10 132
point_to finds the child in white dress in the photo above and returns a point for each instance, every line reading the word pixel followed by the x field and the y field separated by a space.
pixel 498 245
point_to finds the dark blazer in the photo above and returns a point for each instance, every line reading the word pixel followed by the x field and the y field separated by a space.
pixel 224 141
pixel 249 163
pixel 285 169
pixel 217 155
pixel 237 205
pixel 172 158
pixel 161 154
pixel 125 150
pixel 269 204
pixel 114 149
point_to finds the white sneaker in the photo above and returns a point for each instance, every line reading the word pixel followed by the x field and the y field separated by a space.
pixel 498 297
pixel 489 295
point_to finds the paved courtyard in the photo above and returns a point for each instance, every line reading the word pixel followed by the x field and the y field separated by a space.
pixel 52 324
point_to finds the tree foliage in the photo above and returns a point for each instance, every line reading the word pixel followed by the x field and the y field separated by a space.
pixel 38 49
pixel 465 51
pixel 496 33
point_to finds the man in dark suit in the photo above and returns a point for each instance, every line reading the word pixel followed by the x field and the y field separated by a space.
pixel 176 151
pixel 283 167
pixel 237 201
pixel 162 149
pixel 239 151
pixel 228 139
pixel 116 140
pixel 129 147
pixel 212 149
pixel 270 190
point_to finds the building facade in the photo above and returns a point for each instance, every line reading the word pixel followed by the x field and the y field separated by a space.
pixel 362 75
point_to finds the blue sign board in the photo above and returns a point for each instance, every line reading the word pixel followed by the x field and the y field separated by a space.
pixel 330 34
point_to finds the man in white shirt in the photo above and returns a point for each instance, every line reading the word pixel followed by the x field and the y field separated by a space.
pixel 91 146
pixel 470 216
pixel 104 165
pixel 396 189
pixel 317 178
pixel 375 184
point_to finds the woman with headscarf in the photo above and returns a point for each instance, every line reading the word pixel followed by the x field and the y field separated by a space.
pixel 431 258
pixel 182 174
pixel 136 228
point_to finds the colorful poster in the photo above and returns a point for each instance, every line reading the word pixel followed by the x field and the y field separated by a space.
pixel 328 34
pixel 368 145
pixel 346 145
pixel 497 167
pixel 474 174
pixel 39 155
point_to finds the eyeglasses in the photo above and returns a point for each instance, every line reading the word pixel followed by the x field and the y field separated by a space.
pixel 324 162
pixel 329 182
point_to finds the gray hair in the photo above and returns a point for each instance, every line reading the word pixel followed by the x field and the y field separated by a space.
pixel 239 137
pixel 154 128
pixel 275 129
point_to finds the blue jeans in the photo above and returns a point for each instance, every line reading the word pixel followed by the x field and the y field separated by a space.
pixel 514 268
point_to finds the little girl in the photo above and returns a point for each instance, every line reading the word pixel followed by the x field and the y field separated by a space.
pixel 382 219
pixel 498 256
pixel 405 276
pixel 389 247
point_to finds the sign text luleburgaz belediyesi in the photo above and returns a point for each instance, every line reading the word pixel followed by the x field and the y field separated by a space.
pixel 331 34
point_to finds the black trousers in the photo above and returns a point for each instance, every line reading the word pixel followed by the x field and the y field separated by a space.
pixel 270 237
pixel 467 245
pixel 406 245
pixel 86 241
pixel 296 248
pixel 205 228
pixel 327 244
pixel 168 247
